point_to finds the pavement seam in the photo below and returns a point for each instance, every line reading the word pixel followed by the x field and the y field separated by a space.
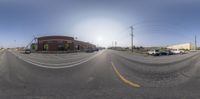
pixel 123 79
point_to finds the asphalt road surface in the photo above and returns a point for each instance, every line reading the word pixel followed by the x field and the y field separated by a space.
pixel 106 76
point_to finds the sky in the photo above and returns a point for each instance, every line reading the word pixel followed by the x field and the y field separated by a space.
pixel 101 22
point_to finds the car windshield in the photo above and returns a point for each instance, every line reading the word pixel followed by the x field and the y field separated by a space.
pixel 99 49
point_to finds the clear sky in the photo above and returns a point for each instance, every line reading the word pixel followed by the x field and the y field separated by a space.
pixel 156 22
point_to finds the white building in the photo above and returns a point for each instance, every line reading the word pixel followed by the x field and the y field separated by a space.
pixel 186 46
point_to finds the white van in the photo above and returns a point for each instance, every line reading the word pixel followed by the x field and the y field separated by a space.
pixel 153 52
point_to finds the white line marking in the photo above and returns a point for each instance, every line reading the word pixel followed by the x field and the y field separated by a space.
pixel 60 67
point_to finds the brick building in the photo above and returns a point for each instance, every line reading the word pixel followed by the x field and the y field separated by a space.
pixel 80 45
pixel 60 43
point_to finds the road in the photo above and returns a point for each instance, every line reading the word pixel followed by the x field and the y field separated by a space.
pixel 105 76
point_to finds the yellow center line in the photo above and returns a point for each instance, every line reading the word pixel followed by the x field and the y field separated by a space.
pixel 123 78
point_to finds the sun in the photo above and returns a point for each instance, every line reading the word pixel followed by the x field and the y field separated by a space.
pixel 102 31
pixel 99 39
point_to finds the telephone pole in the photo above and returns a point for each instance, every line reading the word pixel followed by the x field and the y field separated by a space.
pixel 132 38
pixel 112 44
pixel 195 42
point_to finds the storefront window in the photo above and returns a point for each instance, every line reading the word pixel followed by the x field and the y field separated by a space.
pixel 61 47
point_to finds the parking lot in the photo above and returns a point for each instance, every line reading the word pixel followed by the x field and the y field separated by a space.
pixel 155 59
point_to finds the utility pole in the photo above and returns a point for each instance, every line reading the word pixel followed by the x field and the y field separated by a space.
pixel 15 44
pixel 132 38
pixel 195 42
pixel 112 44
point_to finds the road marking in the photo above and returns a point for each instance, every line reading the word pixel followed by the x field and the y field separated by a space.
pixel 1 55
pixel 53 66
pixel 123 78
pixel 61 64
pixel 57 57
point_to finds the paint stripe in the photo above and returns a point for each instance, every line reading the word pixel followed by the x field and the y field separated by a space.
pixel 123 78
pixel 53 66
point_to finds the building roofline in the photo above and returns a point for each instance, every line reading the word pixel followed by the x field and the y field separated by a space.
pixel 83 42
pixel 51 36
pixel 179 44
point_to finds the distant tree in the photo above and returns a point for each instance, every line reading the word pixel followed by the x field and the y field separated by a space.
pixel 66 46
pixel 33 46
pixel 46 46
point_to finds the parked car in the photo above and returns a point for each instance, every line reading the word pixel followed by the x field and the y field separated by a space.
pixel 193 51
pixel 177 51
pixel 89 50
pixel 167 52
pixel 95 49
pixel 154 52
pixel 183 51
pixel 27 51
